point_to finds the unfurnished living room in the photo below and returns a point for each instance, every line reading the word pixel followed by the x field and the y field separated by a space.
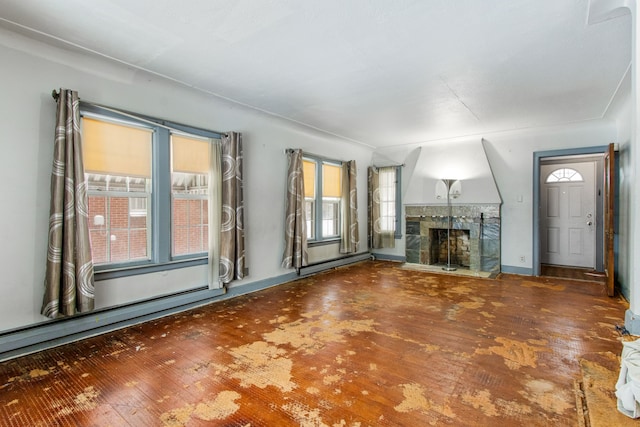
pixel 319 213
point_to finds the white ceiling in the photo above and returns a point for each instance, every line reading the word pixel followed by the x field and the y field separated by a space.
pixel 380 72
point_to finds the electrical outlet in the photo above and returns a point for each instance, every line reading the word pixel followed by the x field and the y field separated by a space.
pixel 521 258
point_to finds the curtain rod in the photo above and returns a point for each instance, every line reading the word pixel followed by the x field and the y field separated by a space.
pixel 317 156
pixel 290 150
pixel 162 123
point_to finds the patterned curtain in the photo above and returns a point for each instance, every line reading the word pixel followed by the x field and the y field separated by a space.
pixel 68 283
pixel 349 235
pixel 232 251
pixel 295 230
pixel 377 238
pixel 214 211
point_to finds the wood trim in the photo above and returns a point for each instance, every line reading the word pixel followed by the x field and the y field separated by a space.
pixel 609 231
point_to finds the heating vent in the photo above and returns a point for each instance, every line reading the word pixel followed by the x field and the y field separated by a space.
pixel 321 266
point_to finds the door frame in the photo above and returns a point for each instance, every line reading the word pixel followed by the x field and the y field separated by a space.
pixel 538 158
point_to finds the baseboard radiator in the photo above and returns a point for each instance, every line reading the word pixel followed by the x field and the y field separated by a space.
pixel 326 265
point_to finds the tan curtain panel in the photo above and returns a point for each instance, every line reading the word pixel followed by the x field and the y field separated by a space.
pixel 349 235
pixel 378 238
pixel 68 283
pixel 214 189
pixel 295 229
pixel 232 248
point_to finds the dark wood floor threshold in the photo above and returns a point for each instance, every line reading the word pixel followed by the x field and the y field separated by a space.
pixel 576 273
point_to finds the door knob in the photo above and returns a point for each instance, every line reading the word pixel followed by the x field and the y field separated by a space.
pixel 589 223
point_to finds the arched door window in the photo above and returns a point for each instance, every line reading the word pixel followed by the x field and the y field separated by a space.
pixel 564 175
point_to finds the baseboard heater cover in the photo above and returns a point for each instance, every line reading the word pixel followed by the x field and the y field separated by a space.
pixel 30 339
pixel 326 265
pixel 49 334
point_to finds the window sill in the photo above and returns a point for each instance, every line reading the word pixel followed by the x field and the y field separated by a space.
pixel 323 242
pixel 115 273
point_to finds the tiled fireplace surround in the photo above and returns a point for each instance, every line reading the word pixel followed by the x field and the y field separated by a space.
pixel 482 221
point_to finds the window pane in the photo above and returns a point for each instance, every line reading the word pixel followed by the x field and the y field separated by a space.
pixel 97 229
pixel 127 238
pixel 330 213
pixel 189 188
pixel 189 154
pixel 118 233
pixel 331 180
pixel 387 177
pixel 116 149
pixel 310 218
pixel 138 243
pixel 189 229
pixel 564 175
pixel 117 160
pixel 309 172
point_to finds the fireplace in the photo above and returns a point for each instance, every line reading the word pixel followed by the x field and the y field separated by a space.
pixel 474 236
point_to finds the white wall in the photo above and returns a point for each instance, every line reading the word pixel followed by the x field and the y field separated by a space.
pixel 510 156
pixel 31 70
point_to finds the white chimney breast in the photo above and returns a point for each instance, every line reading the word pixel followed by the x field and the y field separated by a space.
pixel 463 160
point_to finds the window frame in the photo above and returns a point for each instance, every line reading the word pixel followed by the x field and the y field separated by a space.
pixel 160 244
pixel 319 238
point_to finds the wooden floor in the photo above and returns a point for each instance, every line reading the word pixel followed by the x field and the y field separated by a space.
pixel 372 344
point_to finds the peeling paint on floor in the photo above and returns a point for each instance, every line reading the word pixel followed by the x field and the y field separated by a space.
pixel 371 344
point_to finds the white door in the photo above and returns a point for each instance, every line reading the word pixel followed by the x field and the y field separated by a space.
pixel 567 214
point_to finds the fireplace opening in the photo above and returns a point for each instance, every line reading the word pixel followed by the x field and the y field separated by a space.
pixel 458 242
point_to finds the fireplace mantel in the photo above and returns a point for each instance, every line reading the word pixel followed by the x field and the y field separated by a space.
pixel 482 221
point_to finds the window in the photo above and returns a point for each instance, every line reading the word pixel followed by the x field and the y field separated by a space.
pixel 387 177
pixel 322 201
pixel 147 191
pixel 386 184
pixel 564 175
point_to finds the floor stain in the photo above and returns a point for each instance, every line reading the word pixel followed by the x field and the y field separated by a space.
pixel 474 304
pixel 219 408
pixel 35 373
pixel 304 415
pixel 85 401
pixel 548 396
pixel 513 408
pixel 261 364
pixel 481 400
pixel 552 287
pixel 414 399
pixel 311 335
pixel 515 353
